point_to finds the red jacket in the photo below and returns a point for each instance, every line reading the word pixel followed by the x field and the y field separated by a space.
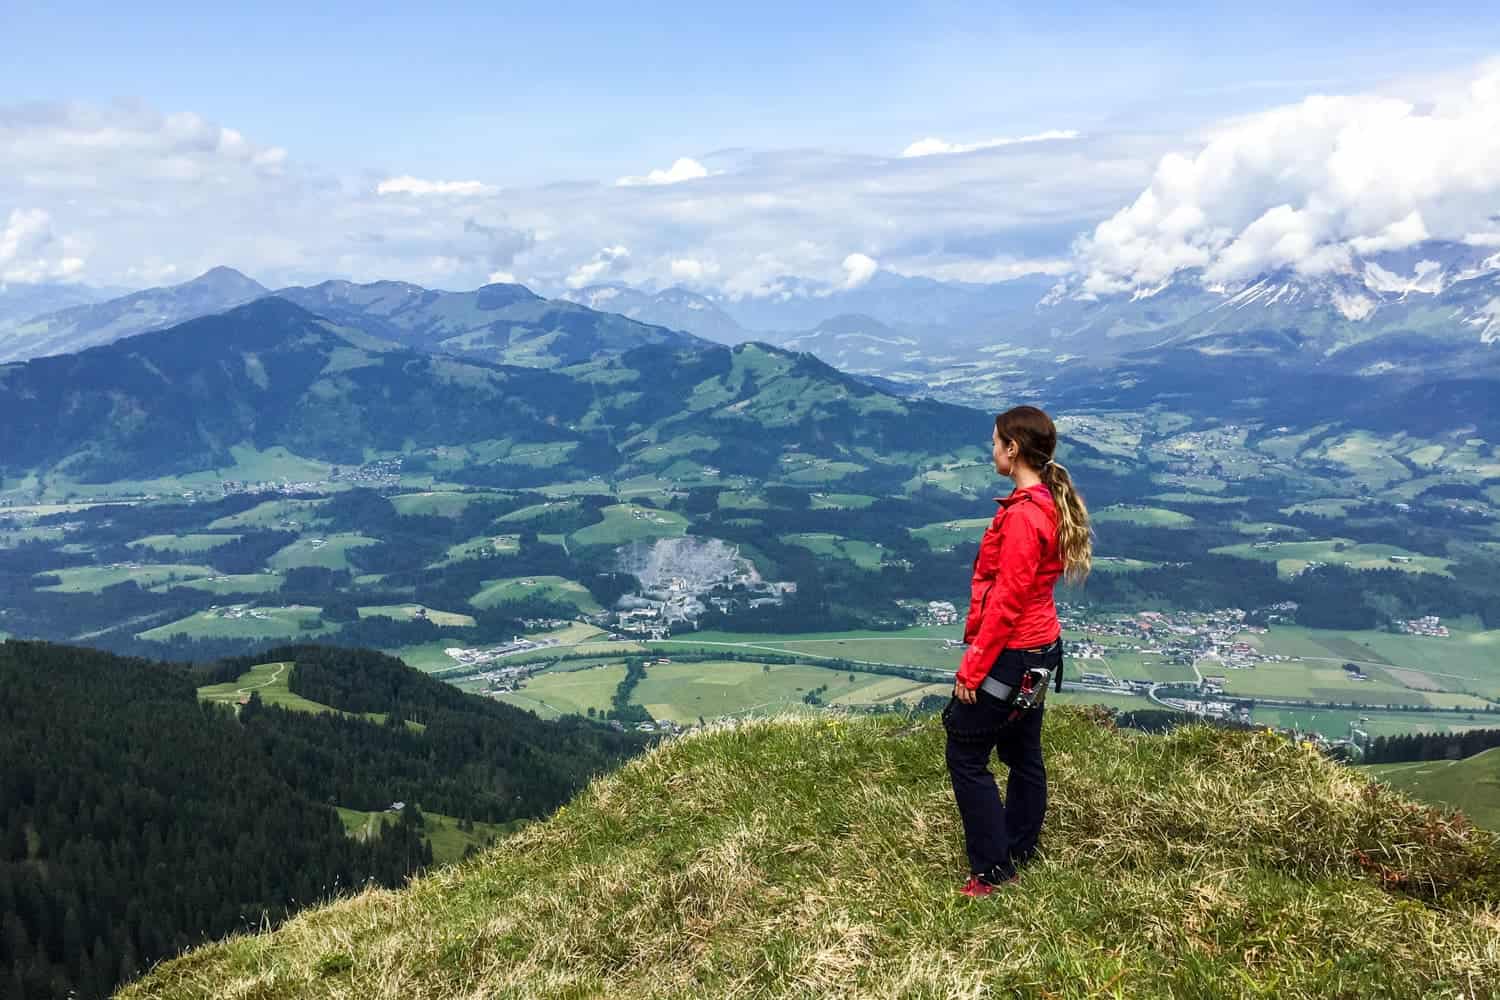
pixel 1010 596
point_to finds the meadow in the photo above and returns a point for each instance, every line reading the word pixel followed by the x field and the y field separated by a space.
pixel 244 622
pixel 1471 784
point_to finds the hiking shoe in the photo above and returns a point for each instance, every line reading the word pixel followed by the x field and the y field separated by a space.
pixel 975 889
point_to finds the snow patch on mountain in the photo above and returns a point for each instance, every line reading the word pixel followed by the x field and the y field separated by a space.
pixel 1487 320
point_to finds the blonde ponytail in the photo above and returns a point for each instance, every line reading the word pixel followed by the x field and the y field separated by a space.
pixel 1075 540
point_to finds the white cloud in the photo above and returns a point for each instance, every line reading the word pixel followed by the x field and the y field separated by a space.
pixel 858 269
pixel 406 184
pixel 683 169
pixel 980 270
pixel 605 262
pixel 30 252
pixel 1307 187
pixel 936 147
pixel 692 269
pixel 140 193
pixel 501 278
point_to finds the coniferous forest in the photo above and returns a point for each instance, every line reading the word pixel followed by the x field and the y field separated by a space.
pixel 136 821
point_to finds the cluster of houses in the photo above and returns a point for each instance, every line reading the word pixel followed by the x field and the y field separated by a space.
pixel 1428 625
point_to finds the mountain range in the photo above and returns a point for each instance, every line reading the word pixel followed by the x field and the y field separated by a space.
pixel 271 373
pixel 1424 324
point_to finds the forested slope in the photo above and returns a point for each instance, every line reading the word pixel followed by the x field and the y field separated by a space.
pixel 136 821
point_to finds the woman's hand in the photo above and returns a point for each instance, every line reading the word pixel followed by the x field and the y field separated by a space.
pixel 966 695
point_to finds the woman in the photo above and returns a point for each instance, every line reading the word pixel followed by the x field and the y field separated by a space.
pixel 1040 532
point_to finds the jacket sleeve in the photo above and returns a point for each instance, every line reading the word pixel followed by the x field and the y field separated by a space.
pixel 1020 555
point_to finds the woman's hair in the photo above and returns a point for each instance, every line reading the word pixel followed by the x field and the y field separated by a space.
pixel 1035 437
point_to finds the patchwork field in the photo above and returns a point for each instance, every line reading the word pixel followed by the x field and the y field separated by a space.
pixel 565 692
pixel 683 692
pixel 1467 661
pixel 1293 557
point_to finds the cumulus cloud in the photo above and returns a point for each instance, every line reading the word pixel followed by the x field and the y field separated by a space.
pixel 684 169
pixel 30 251
pixel 1308 187
pixel 858 269
pixel 606 262
pixel 407 184
pixel 936 147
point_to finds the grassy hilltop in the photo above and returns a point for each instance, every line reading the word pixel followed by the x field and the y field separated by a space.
pixel 819 857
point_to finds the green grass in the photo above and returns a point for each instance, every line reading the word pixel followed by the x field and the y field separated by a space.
pixel 1471 784
pixel 625 523
pixel 1467 661
pixel 841 501
pixel 92 579
pixel 863 554
pixel 412 612
pixel 1119 564
pixel 568 692
pixel 553 587
pixel 326 551
pixel 480 547
pixel 448 842
pixel 271 514
pixel 684 692
pixel 945 535
pixel 296 621
pixel 438 503
pixel 1335 722
pixel 821 857
pixel 183 543
pixel 1292 557
pixel 270 681
pixel 242 583
pixel 1154 517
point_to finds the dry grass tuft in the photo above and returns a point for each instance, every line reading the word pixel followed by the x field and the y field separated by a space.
pixel 820 857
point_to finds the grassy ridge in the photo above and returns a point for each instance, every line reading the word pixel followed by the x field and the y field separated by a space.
pixel 821 856
pixel 1471 784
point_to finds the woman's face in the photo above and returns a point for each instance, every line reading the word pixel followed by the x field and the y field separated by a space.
pixel 1004 453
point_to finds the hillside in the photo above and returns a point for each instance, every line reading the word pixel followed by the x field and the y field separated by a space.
pixel 93 323
pixel 821 857
pixel 1471 784
pixel 139 819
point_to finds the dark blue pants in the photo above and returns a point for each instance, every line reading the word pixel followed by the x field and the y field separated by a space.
pixel 998 835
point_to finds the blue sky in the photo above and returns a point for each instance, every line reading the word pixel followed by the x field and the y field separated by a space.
pixel 522 100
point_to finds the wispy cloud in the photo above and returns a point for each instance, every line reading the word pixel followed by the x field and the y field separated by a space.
pixel 937 147
pixel 417 186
